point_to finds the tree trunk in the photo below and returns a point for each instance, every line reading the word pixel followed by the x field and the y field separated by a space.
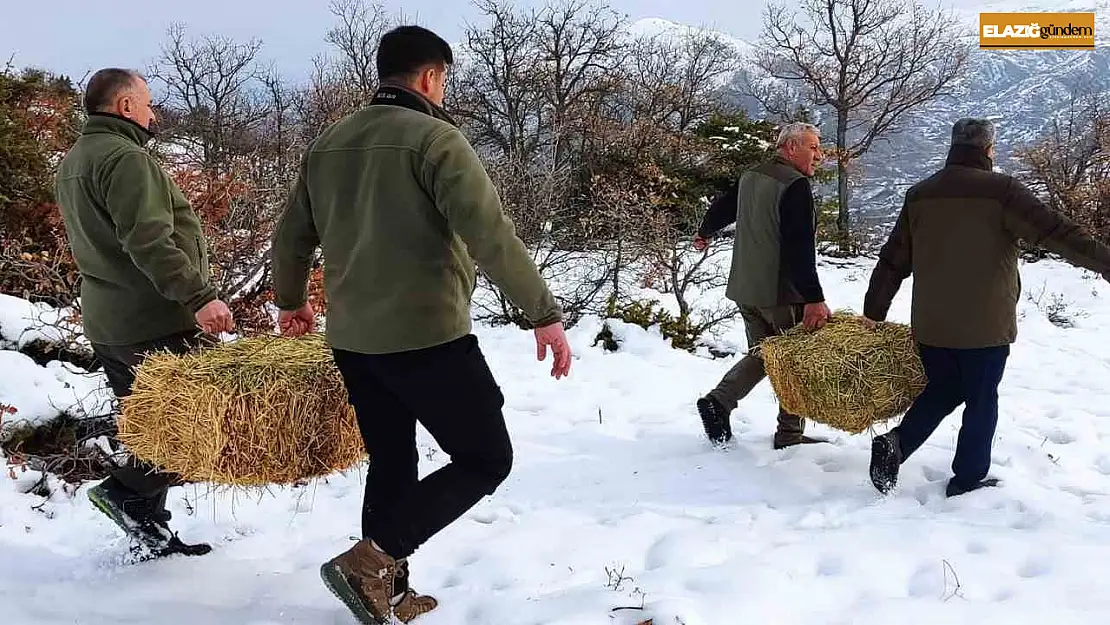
pixel 842 223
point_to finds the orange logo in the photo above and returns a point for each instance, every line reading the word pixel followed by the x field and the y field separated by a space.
pixel 1037 31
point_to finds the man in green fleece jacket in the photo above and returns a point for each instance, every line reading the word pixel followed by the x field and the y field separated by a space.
pixel 402 209
pixel 144 276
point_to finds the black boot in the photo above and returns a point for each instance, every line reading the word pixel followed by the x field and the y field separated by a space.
pixel 886 459
pixel 715 420
pixel 955 489
pixel 143 519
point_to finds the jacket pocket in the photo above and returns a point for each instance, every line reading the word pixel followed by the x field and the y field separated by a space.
pixel 202 257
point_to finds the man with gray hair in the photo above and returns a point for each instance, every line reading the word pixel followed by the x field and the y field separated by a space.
pixel 774 270
pixel 958 234
pixel 145 282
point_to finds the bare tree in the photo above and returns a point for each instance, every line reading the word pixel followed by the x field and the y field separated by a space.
pixel 209 86
pixel 579 46
pixel 1069 165
pixel 869 61
pixel 495 93
pixel 355 37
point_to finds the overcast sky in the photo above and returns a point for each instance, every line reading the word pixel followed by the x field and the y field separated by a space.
pixel 76 37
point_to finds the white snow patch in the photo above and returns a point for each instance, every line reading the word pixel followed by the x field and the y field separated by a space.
pixel 616 499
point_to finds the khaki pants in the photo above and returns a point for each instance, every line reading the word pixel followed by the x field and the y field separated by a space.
pixel 760 323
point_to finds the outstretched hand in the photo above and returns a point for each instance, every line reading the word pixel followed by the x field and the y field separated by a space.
pixel 553 336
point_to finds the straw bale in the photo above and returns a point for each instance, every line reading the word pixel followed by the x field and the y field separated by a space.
pixel 252 412
pixel 845 375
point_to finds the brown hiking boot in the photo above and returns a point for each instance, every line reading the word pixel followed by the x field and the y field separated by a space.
pixel 789 432
pixel 362 578
pixel 407 603
pixel 412 605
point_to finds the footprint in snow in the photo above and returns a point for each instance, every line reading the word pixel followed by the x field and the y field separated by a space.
pixel 977 547
pixel 830 564
pixel 1037 566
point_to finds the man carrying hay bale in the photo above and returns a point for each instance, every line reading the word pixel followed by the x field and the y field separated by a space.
pixel 400 204
pixel 958 234
pixel 144 276
pixel 774 270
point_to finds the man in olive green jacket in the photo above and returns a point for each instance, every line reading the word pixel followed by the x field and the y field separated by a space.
pixel 958 235
pixel 402 209
pixel 144 276
pixel 774 277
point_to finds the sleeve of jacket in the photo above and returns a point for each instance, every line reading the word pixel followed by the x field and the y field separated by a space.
pixel 894 266
pixel 138 198
pixel 294 242
pixel 1027 218
pixel 721 213
pixel 467 198
pixel 799 240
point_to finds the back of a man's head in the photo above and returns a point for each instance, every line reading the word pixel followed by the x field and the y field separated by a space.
pixel 405 50
pixel 973 132
pixel 106 85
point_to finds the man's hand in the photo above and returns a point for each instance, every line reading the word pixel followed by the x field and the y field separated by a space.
pixel 554 336
pixel 869 323
pixel 215 317
pixel 297 322
pixel 700 243
pixel 815 316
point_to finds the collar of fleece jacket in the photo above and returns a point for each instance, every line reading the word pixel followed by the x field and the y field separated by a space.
pixel 397 95
pixel 969 156
pixel 115 124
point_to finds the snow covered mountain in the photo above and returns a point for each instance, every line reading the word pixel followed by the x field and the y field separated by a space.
pixel 1020 90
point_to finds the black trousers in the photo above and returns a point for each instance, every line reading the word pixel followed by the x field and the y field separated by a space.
pixel 118 362
pixel 450 390
pixel 958 376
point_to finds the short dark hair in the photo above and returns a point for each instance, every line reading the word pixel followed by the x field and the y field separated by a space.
pixel 405 49
pixel 106 84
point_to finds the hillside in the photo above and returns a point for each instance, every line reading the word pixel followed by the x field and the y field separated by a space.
pixel 1020 90
pixel 617 500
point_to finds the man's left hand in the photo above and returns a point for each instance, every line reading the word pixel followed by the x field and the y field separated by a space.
pixel 297 322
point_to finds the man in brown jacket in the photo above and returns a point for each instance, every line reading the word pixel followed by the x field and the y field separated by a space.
pixel 958 234
pixel 774 270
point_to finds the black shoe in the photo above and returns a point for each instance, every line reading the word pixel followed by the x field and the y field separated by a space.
pixel 886 458
pixel 955 489
pixel 715 420
pixel 142 519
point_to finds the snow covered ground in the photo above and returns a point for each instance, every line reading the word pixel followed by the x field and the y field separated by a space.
pixel 616 499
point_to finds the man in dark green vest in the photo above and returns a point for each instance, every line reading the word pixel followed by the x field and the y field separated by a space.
pixel 774 270
pixel 144 276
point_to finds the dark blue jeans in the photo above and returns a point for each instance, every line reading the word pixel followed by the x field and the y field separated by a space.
pixel 958 376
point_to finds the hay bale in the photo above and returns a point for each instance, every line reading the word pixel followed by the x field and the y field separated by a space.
pixel 845 375
pixel 256 411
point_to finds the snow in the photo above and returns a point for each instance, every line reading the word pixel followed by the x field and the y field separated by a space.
pixel 40 394
pixel 616 499
pixel 22 322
